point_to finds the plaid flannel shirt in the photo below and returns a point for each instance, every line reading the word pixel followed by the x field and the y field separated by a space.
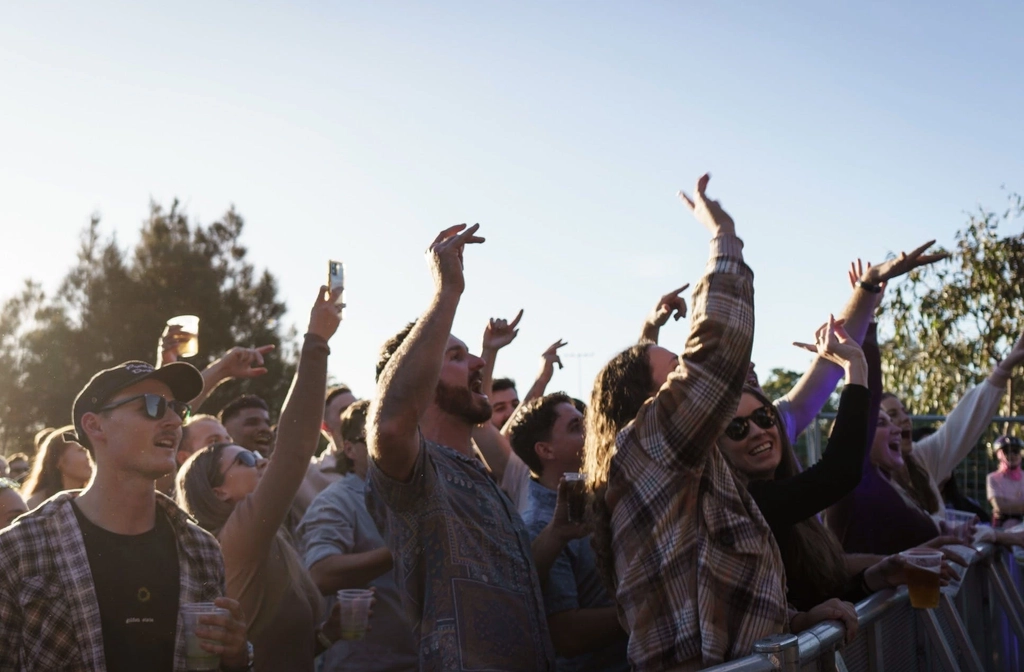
pixel 49 615
pixel 699 576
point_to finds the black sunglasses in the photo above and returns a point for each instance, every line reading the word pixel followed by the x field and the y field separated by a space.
pixel 738 429
pixel 155 407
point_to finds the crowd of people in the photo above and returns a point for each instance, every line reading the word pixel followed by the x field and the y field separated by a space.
pixel 456 503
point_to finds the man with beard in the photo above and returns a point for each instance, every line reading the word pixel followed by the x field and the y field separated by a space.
pixel 247 420
pixel 462 554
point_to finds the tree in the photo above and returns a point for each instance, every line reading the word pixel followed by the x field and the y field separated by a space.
pixel 949 323
pixel 112 305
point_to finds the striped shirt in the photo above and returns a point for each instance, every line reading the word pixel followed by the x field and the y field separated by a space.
pixel 699 575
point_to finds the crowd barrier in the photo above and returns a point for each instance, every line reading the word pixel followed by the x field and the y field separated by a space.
pixel 978 627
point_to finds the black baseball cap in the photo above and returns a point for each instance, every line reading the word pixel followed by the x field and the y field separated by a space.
pixel 185 381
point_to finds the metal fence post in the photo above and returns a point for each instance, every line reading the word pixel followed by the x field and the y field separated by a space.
pixel 782 650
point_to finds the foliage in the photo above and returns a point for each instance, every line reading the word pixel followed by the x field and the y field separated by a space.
pixel 112 305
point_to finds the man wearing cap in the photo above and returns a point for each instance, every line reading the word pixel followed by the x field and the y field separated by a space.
pixel 95 579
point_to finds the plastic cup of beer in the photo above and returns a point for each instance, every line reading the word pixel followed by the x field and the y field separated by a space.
pixel 355 612
pixel 198 659
pixel 924 567
pixel 189 326
pixel 577 482
pixel 959 524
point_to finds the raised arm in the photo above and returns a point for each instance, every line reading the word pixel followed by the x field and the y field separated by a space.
pixel 406 386
pixel 548 359
pixel 298 430
pixel 667 305
pixel 236 363
pixel 803 403
pixel 942 451
pixel 493 446
pixel 785 502
pixel 692 408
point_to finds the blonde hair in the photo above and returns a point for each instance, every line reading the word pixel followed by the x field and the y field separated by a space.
pixel 45 476
pixel 193 488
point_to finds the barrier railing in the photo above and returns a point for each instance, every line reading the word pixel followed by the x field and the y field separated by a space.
pixel 978 627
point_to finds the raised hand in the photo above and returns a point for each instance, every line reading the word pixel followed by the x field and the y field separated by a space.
pixel 831 342
pixel 498 333
pixel 668 304
pixel 708 212
pixel 550 356
pixel 445 256
pixel 169 348
pixel 239 362
pixel 1015 357
pixel 901 265
pixel 856 272
pixel 325 316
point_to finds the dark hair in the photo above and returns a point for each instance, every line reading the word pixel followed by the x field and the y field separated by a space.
pixel 238 405
pixel 502 384
pixel 810 552
pixel 533 424
pixel 335 391
pixel 194 484
pixel 353 418
pixel 45 476
pixel 580 405
pixel 390 347
pixel 620 390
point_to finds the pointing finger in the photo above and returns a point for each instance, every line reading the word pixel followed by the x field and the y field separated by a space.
pixel 515 322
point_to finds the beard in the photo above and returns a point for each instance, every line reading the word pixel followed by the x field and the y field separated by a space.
pixel 462 403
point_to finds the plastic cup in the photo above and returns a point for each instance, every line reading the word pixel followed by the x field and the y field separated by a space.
pixel 355 612
pixel 197 659
pixel 577 482
pixel 924 569
pixel 189 325
pixel 959 524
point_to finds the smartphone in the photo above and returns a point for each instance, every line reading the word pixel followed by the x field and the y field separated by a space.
pixel 336 280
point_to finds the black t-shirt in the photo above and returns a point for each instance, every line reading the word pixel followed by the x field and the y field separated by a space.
pixel 136 579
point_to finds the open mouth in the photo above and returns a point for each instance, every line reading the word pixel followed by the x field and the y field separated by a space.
pixel 168 442
pixel 906 435
pixel 761 449
pixel 894 446
pixel 476 384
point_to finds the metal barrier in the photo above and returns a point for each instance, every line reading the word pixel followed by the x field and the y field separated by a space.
pixel 978 627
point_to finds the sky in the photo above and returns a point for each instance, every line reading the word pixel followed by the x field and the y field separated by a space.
pixel 357 131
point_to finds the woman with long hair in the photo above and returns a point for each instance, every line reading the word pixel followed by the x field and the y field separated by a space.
pixel 931 460
pixel 244 499
pixel 61 464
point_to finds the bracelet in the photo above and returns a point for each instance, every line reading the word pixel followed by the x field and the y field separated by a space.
pixel 869 287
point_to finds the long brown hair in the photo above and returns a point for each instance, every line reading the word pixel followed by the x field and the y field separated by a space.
pixel 620 390
pixel 914 478
pixel 45 476
pixel 811 552
pixel 193 488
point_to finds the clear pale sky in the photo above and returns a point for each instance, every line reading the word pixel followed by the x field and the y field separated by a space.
pixel 358 130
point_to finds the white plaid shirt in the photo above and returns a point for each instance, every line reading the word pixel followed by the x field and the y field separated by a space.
pixel 49 615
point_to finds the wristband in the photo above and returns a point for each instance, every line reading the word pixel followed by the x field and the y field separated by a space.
pixel 869 287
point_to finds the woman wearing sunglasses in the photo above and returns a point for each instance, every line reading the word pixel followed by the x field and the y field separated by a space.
pixel 243 499
pixel 758 449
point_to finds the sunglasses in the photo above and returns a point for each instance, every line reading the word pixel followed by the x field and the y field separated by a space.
pixel 155 407
pixel 738 429
pixel 246 458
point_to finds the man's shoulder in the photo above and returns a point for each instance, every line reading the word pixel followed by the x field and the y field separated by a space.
pixel 186 527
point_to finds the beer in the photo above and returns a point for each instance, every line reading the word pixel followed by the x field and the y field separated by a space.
pixel 923 567
pixel 189 325
pixel 354 605
pixel 196 658
pixel 577 500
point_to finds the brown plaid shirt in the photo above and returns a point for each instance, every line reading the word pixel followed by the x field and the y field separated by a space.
pixel 49 616
pixel 699 574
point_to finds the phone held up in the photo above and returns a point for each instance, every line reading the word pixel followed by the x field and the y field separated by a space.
pixel 336 280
